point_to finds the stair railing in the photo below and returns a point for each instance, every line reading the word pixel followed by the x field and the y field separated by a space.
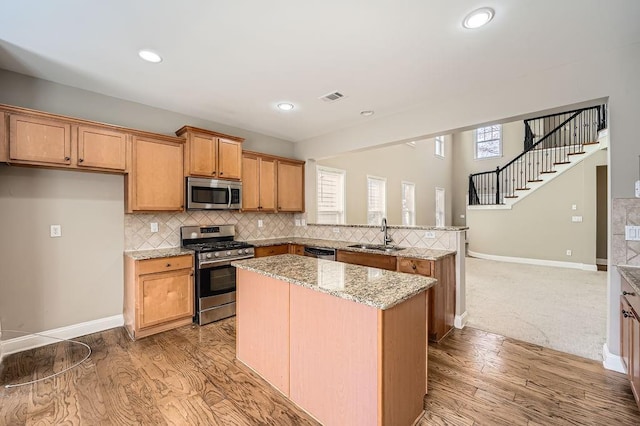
pixel 570 132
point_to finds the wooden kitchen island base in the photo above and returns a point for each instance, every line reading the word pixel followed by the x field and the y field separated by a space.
pixel 343 362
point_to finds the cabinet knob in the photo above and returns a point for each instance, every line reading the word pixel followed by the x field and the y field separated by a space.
pixel 413 266
pixel 67 158
pixel 221 173
pixel 627 293
pixel 80 160
pixel 168 265
pixel 213 172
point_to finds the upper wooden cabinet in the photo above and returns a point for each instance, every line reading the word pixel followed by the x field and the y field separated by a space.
pixel 290 186
pixel 4 142
pixel 155 181
pixel 211 154
pixel 39 140
pixel 258 183
pixel 102 148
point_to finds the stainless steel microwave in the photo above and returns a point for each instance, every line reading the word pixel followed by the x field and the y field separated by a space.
pixel 213 194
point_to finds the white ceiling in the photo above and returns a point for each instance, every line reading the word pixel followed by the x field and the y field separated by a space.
pixel 232 61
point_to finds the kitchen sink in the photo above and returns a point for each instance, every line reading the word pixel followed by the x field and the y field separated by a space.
pixel 378 247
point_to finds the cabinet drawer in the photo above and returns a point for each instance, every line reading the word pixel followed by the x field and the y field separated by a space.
pixel 379 261
pixel 271 251
pixel 632 296
pixel 415 266
pixel 151 266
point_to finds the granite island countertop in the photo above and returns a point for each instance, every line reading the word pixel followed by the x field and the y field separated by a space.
pixel 412 252
pixel 632 275
pixel 157 253
pixel 370 286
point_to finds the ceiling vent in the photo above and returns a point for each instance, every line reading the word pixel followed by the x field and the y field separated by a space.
pixel 332 97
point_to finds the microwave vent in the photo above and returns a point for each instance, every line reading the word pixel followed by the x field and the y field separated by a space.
pixel 332 97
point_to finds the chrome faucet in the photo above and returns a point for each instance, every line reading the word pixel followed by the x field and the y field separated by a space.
pixel 387 238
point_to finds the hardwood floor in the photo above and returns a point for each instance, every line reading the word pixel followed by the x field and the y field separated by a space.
pixel 190 376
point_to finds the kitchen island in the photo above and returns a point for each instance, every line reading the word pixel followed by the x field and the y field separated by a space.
pixel 346 343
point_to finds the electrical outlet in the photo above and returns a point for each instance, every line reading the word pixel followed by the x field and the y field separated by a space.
pixel 55 231
pixel 297 222
pixel 568 252
pixel 260 223
pixel 576 218
pixel 336 230
pixel 461 216
pixel 304 222
pixel 574 207
pixel 632 233
pixel 429 234
pixel 154 226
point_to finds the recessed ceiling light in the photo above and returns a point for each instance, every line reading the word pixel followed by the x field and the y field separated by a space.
pixel 367 113
pixel 150 56
pixel 478 18
pixel 285 106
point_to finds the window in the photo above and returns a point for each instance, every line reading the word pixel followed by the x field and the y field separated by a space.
pixel 489 142
pixel 439 142
pixel 408 203
pixel 439 207
pixel 376 200
pixel 330 195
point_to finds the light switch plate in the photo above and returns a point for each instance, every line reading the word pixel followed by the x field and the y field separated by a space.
pixel 304 222
pixel 429 234
pixel 632 233
pixel 336 230
pixel 260 223
pixel 297 222
pixel 576 218
pixel 56 231
pixel 574 207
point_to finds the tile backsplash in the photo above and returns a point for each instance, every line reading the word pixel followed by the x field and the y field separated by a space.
pixel 625 211
pixel 138 235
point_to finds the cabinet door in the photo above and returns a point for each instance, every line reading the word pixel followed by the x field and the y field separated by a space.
pixel 290 187
pixel 101 148
pixel 229 159
pixel 250 183
pixel 165 296
pixel 634 355
pixel 296 249
pixel 39 140
pixel 157 181
pixel 625 334
pixel 415 266
pixel 267 185
pixel 202 156
pixel 4 140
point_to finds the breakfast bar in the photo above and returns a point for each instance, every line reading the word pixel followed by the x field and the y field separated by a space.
pixel 346 343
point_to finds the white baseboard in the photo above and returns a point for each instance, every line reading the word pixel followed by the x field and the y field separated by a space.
pixel 460 320
pixel 540 262
pixel 23 343
pixel 611 361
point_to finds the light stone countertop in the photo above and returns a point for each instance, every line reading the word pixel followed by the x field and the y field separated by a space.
pixel 632 275
pixel 157 253
pixel 370 286
pixel 412 252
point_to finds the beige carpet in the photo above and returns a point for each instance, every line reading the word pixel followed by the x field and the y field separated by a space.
pixel 559 308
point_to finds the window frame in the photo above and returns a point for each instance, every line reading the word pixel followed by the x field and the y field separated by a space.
pixel 438 141
pixel 413 210
pixel 341 216
pixel 384 198
pixel 475 142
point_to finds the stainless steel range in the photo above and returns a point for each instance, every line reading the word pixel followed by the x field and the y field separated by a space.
pixel 215 278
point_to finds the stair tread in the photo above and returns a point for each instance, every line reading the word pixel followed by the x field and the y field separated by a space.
pixel 510 196
pixel 550 171
pixel 576 153
pixel 522 189
pixel 591 143
pixel 537 180
pixel 562 162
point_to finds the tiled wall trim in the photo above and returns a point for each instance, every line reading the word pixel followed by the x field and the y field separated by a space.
pixel 625 211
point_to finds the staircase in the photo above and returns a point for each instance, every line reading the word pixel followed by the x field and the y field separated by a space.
pixel 571 137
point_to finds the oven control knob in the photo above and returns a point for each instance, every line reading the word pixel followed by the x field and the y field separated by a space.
pixel 239 251
pixel 208 255
pixel 246 251
pixel 216 254
pixel 228 253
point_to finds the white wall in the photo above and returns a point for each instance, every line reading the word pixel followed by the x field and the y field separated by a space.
pixel 45 282
pixel 611 75
pixel 396 163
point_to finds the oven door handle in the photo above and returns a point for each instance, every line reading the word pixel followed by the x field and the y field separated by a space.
pixel 214 263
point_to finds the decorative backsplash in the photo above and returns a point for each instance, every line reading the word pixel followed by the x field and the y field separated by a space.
pixel 138 235
pixel 625 211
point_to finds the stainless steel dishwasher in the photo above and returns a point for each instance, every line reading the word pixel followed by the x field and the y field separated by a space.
pixel 320 252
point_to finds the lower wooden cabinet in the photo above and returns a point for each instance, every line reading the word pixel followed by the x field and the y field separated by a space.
pixel 296 249
pixel 159 294
pixel 271 250
pixel 630 335
pixel 442 296
pixel 380 261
